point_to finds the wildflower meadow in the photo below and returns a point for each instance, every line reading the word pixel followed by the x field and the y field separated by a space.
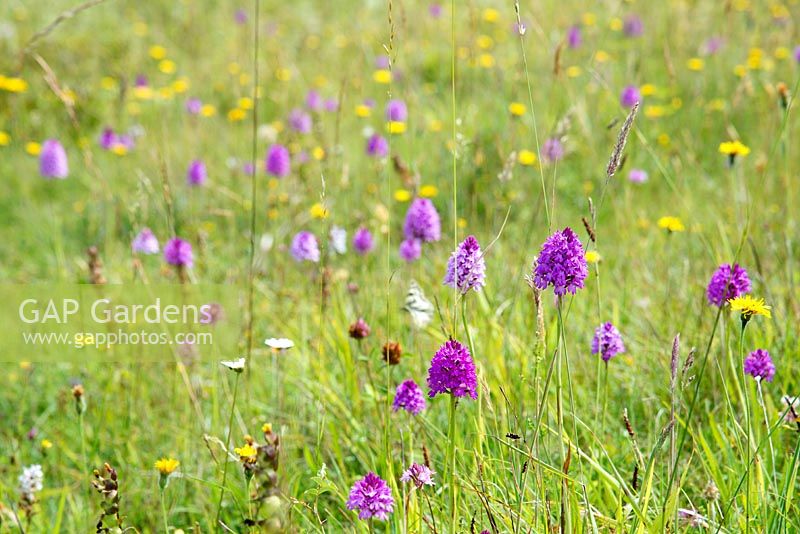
pixel 456 266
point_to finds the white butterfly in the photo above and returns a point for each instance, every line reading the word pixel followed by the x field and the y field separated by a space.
pixel 234 365
pixel 420 308
pixel 280 343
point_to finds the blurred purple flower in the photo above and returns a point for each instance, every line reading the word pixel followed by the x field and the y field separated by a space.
pixel 194 106
pixel 574 36
pixel 313 100
pixel 435 10
pixel 633 26
pixel 196 175
pixel 331 105
pixel 638 176
pixel 377 146
pixel 278 162
pixel 630 96
pixel 240 16
pixel 409 397
pixel 145 242
pixel 304 247
pixel 382 62
pixel 607 341
pixel 422 221
pixel 396 110
pixel 179 252
pixel 107 139
pixel 410 249
pixel 362 241
pixel 53 160
pixel 300 121
pixel 552 150
pixel 419 474
pixel 713 45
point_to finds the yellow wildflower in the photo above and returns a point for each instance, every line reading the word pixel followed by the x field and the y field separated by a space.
pixel 157 52
pixel 382 76
pixel 247 453
pixel 4 138
pixel 671 224
pixel 395 127
pixel 733 149
pixel 363 111
pixel 402 195
pixel 696 64
pixel 592 256
pixel 167 466
pixel 33 148
pixel 750 306
pixel 517 109
pixel 490 14
pixel 46 444
pixel 236 114
pixel 318 211
pixel 428 191
pixel 526 157
pixel 167 66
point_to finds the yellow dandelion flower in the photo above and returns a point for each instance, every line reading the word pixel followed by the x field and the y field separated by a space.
pixel 181 85
pixel 664 139
pixel 33 148
pixel 108 83
pixel 395 127
pixel 266 428
pixel 517 109
pixel 716 104
pixel 165 93
pixel 486 61
pixel 435 125
pixel 648 89
pixel 602 56
pixel 5 139
pixel 754 62
pixel 208 110
pixel 462 222
pixel 526 157
pixel 143 93
pixel 236 115
pixel 615 24
pixel 167 466
pixel 740 71
pixel 696 64
pixel 272 214
pixel 46 444
pixel 654 112
pixel 402 195
pixel 573 71
pixel 363 111
pixel 167 66
pixel 428 191
pixel 283 74
pixel 382 76
pixel 119 149
pixel 247 453
pixel 318 211
pixel 13 85
pixel 318 153
pixel 246 102
pixel 671 224
pixel 592 256
pixel 490 14
pixel 734 148
pixel 749 306
pixel 676 103
pixel 312 41
pixel 589 19
pixel 157 52
pixel 781 52
pixel 484 42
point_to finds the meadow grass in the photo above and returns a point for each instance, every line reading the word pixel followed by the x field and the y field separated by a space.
pixel 658 439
